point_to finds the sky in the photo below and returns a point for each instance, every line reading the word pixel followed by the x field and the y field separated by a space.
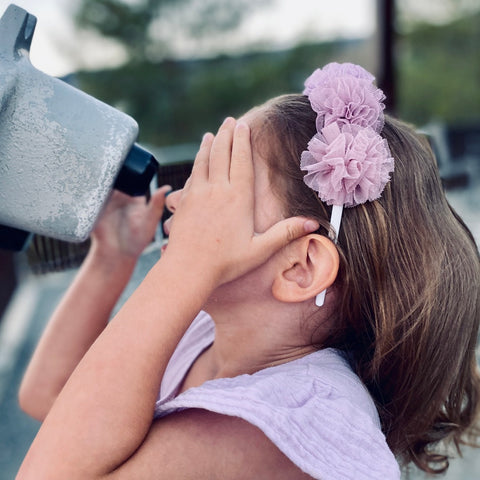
pixel 58 50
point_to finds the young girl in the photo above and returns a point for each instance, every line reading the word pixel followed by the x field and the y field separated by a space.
pixel 280 335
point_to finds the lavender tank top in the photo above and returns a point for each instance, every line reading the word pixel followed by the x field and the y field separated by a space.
pixel 314 409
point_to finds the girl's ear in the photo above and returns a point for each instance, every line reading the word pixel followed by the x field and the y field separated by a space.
pixel 309 266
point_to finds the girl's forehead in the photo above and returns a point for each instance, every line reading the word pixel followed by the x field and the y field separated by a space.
pixel 268 208
pixel 255 119
pixel 252 116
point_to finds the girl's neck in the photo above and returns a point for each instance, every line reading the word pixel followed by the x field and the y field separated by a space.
pixel 247 343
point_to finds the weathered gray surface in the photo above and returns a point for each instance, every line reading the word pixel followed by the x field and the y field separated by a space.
pixel 60 149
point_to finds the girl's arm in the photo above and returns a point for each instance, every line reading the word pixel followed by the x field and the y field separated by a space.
pixel 124 229
pixel 104 414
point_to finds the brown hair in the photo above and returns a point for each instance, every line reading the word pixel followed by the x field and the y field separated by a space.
pixel 408 287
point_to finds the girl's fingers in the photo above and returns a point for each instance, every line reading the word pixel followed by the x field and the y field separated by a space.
pixel 157 200
pixel 200 165
pixel 241 168
pixel 220 154
pixel 282 233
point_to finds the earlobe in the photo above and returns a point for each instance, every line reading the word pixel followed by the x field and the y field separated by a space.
pixel 311 266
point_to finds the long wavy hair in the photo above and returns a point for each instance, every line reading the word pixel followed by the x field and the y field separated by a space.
pixel 408 287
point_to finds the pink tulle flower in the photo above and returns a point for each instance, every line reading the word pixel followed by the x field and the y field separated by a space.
pixel 347 161
pixel 348 100
pixel 332 70
pixel 347 164
pixel 345 93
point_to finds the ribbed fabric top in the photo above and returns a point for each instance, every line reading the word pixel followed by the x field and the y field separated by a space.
pixel 314 409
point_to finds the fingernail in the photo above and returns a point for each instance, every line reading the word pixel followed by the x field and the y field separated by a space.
pixel 205 137
pixel 311 226
pixel 241 124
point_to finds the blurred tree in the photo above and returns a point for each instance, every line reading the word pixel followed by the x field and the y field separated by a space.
pixel 148 29
pixel 439 72
pixel 175 101
pixel 414 13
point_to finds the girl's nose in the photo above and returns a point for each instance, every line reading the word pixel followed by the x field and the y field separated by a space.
pixel 172 200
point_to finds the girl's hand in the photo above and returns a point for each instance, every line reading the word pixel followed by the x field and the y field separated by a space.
pixel 212 231
pixel 128 224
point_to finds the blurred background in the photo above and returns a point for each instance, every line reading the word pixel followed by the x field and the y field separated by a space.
pixel 180 66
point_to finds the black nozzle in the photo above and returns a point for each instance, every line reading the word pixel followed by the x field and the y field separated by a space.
pixel 137 172
pixel 14 239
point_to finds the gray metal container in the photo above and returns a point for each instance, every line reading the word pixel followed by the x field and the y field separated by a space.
pixel 60 149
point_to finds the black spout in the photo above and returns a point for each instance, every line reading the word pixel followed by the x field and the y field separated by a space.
pixel 137 172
